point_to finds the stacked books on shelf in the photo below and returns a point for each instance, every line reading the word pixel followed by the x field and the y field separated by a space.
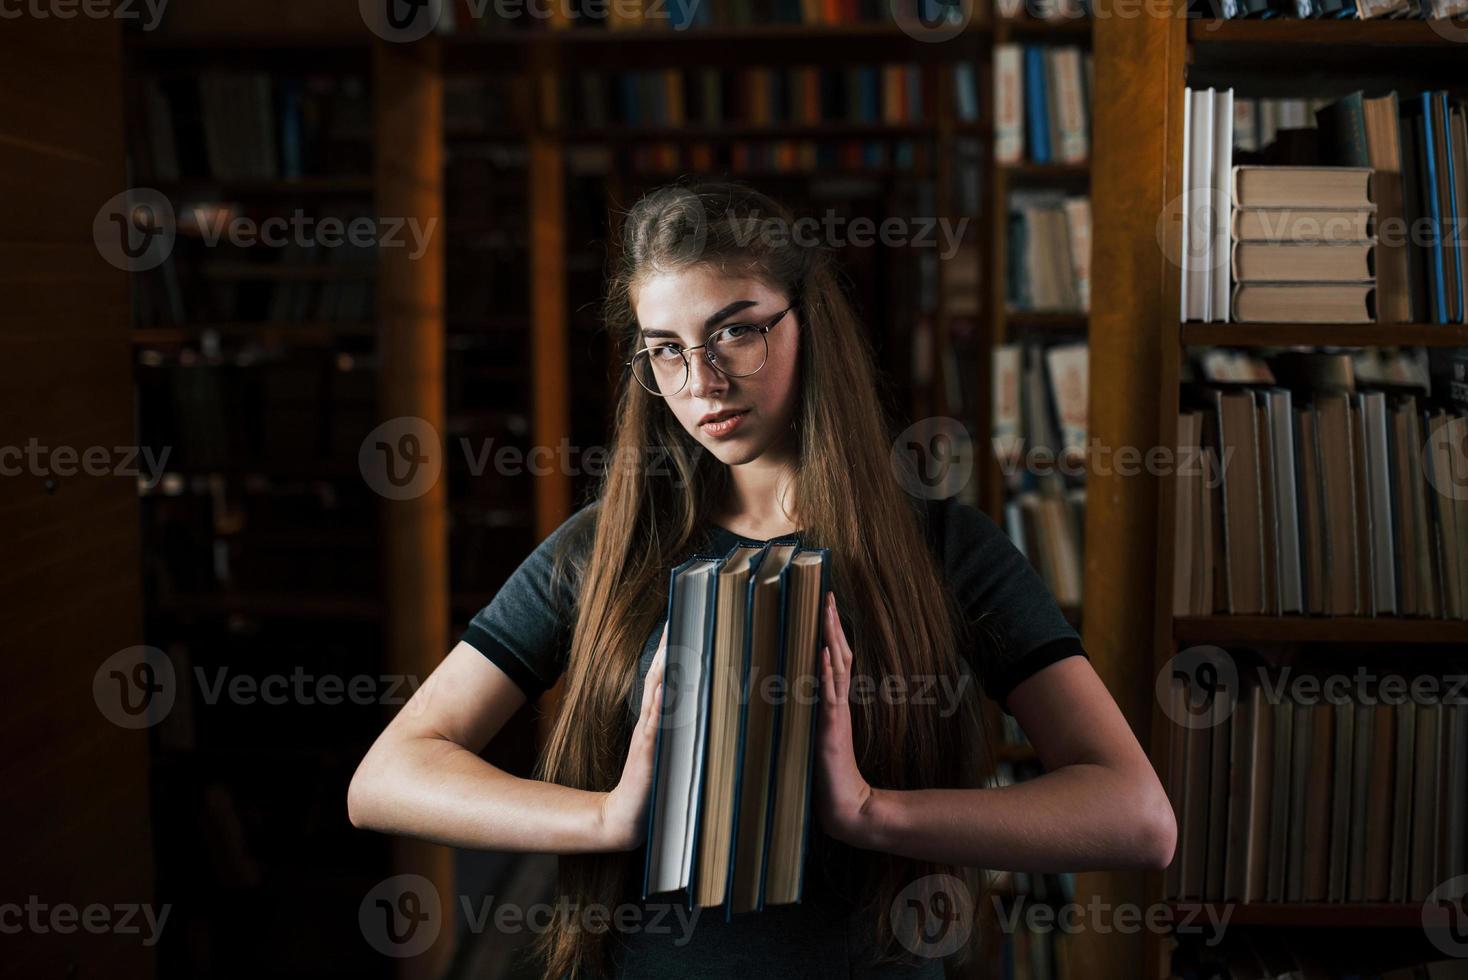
pixel 1301 248
pixel 1049 252
pixel 1401 219
pixel 1335 9
pixel 1337 491
pixel 729 817
pixel 248 125
pixel 1356 797
pixel 468 18
pixel 1040 439
pixel 1042 103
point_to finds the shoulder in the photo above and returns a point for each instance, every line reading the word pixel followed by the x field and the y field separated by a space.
pixel 956 531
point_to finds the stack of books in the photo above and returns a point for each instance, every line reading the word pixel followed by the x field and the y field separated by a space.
pixel 729 817
pixel 1302 249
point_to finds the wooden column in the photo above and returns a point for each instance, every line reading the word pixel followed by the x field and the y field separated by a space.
pixel 76 782
pixel 1139 69
pixel 408 103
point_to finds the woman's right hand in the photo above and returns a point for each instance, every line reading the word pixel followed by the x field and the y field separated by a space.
pixel 624 809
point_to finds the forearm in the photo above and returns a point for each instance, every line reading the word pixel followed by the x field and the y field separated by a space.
pixel 437 790
pixel 1076 818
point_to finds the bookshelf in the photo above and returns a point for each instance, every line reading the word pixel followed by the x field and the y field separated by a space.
pixel 1137 345
pixel 1010 322
pixel 272 552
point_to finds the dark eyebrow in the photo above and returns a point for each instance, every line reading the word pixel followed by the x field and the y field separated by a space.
pixel 710 323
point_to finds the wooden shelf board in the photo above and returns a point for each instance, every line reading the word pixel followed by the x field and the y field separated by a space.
pixel 1302 914
pixel 469 54
pixel 1318 629
pixel 267 186
pixel 1064 30
pixel 1033 320
pixel 1290 32
pixel 279 606
pixel 1324 334
pixel 1046 173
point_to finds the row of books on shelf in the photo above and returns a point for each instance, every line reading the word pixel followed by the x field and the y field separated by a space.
pixel 249 125
pixel 802 95
pixel 1048 252
pixel 1048 529
pixel 1339 492
pixel 295 411
pixel 1042 103
pixel 754 157
pixel 1361 220
pixel 1040 401
pixel 294 283
pixel 465 17
pixel 1346 799
pixel 1335 9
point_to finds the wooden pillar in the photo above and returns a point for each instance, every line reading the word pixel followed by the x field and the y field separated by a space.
pixel 1138 67
pixel 408 104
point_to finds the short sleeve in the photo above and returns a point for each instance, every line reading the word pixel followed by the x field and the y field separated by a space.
pixel 1016 626
pixel 526 628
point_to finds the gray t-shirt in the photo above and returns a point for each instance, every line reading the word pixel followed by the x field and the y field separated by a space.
pixel 526 631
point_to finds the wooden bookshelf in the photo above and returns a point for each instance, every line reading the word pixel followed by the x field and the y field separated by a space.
pixel 1324 334
pixel 401 619
pixel 1137 345
pixel 1317 629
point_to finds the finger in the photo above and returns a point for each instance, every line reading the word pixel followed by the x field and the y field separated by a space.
pixel 828 679
pixel 655 669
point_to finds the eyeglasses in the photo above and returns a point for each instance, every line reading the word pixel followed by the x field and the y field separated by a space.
pixel 736 351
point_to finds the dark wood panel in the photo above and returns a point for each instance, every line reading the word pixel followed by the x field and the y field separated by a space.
pixel 76 784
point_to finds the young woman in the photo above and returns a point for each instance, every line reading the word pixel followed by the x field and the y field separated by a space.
pixel 750 411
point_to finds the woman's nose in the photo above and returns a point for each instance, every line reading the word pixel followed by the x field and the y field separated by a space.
pixel 703 377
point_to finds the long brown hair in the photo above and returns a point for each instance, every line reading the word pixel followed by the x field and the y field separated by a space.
pixel 661 485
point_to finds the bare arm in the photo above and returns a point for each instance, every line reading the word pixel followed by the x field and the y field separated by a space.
pixel 1099 805
pixel 423 776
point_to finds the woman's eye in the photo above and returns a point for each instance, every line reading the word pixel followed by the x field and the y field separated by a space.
pixel 737 330
pixel 668 352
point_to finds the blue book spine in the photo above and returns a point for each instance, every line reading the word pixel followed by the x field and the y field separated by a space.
pixel 1434 213
pixel 1036 114
pixel 1453 209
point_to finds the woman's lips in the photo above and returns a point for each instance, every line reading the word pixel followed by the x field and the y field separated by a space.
pixel 725 426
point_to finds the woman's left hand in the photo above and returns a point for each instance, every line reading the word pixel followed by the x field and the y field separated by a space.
pixel 842 794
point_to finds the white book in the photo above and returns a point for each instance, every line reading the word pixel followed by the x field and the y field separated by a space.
pixel 1008 445
pixel 1074 145
pixel 1069 369
pixel 1009 128
pixel 1223 141
pixel 1186 231
pixel 1199 248
pixel 1078 221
